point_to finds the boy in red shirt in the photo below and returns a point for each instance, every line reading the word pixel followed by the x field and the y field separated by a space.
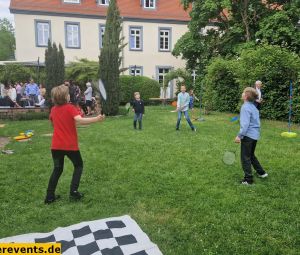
pixel 64 117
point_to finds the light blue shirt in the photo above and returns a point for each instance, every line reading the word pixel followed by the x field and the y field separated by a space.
pixel 183 101
pixel 32 89
pixel 249 121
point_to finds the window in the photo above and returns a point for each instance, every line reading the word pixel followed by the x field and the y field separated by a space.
pixel 136 70
pixel 161 72
pixel 42 33
pixel 135 38
pixel 150 4
pixel 101 35
pixel 72 1
pixel 103 2
pixel 165 39
pixel 72 35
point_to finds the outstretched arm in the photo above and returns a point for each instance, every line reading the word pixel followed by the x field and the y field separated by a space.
pixel 85 121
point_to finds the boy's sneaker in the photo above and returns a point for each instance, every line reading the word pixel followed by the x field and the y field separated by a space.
pixel 194 129
pixel 50 200
pixel 246 182
pixel 76 195
pixel 177 129
pixel 265 175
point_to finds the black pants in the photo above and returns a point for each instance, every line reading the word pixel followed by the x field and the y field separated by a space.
pixel 58 160
pixel 248 158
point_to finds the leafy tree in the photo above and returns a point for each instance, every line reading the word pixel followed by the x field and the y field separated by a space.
pixel 82 71
pixel 7 40
pixel 110 59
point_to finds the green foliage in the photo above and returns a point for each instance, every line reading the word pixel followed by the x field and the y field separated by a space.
pixel 279 29
pixel 147 87
pixel 82 71
pixel 222 92
pixel 7 40
pixel 55 67
pixel 110 60
pixel 274 66
pixel 15 73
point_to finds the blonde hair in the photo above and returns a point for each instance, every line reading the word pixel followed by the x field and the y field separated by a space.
pixel 136 93
pixel 60 95
pixel 251 94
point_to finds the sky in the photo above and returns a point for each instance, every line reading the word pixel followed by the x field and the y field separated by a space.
pixel 4 11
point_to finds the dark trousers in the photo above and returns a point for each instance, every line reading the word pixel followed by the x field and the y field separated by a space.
pixel 58 160
pixel 187 117
pixel 248 158
pixel 138 117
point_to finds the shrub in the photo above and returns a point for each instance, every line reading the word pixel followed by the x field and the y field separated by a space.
pixel 275 67
pixel 147 87
pixel 222 92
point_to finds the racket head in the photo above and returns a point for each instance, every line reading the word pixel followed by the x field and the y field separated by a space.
pixel 102 89
pixel 229 158
pixel 127 107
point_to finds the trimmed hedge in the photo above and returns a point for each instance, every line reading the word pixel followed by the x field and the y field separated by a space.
pixel 147 87
pixel 222 92
pixel 274 66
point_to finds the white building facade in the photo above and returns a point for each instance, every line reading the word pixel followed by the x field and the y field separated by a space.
pixel 151 29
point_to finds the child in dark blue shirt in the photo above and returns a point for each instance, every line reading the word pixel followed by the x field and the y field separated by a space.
pixel 139 110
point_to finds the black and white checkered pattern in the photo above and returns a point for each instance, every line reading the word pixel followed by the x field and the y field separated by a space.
pixel 113 236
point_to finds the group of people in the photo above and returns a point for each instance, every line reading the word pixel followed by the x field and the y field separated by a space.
pixel 65 116
pixel 22 94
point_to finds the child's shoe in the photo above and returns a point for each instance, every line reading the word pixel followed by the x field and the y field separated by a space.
pixel 246 182
pixel 51 199
pixel 76 195
pixel 265 175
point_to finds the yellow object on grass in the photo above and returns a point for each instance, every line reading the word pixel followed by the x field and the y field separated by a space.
pixel 289 134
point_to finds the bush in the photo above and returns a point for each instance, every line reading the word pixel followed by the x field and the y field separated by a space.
pixel 147 87
pixel 275 67
pixel 222 92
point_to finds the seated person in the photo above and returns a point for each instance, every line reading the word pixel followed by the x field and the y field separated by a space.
pixel 41 102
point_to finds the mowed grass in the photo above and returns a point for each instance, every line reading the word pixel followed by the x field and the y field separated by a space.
pixel 173 184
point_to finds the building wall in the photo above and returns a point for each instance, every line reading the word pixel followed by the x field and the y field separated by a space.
pixel 149 58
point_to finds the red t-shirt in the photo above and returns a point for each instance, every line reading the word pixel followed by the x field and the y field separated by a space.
pixel 65 133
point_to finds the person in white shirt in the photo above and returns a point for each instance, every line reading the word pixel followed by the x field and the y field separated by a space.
pixel 88 97
pixel 258 85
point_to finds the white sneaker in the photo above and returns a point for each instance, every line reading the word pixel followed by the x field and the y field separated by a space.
pixel 265 175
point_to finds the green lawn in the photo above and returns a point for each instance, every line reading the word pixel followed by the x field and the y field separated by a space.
pixel 173 184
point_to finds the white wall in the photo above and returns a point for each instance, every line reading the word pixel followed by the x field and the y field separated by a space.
pixel 149 58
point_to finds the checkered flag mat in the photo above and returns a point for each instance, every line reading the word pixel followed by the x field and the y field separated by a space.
pixel 113 236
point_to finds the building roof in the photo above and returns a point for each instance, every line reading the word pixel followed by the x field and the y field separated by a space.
pixel 170 10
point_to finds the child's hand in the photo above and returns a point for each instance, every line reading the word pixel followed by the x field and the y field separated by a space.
pixel 237 140
pixel 132 109
pixel 100 117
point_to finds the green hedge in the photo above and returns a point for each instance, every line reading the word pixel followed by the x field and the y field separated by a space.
pixel 147 87
pixel 274 66
pixel 222 92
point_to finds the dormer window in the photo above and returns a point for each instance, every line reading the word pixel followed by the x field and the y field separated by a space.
pixel 72 1
pixel 149 4
pixel 103 2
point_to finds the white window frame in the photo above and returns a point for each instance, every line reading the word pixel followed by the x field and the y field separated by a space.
pixel 133 37
pixel 149 4
pixel 72 46
pixel 169 68
pixel 136 70
pixel 164 37
pixel 37 34
pixel 103 2
pixel 71 1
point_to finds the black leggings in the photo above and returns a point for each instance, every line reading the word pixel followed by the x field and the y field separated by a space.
pixel 58 160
